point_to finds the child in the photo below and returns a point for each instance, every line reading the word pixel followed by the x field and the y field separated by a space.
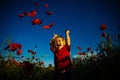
pixel 61 49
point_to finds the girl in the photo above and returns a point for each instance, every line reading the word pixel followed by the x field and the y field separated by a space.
pixel 61 49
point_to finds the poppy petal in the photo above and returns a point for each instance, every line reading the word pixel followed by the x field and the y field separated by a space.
pixel 46 5
pixel 36 21
pixel 49 12
pixel 21 15
pixel 19 52
pixel 103 26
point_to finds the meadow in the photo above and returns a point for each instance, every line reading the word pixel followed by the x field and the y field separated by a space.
pixel 103 65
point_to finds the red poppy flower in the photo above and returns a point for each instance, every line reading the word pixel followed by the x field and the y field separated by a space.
pixel 32 52
pixel 79 53
pixel 89 49
pixel 79 47
pixel 32 13
pixel 37 21
pixel 13 46
pixel 42 63
pixel 19 46
pixel 103 35
pixel 84 53
pixel 19 52
pixel 49 12
pixel 48 26
pixel 46 5
pixel 103 26
pixel 21 15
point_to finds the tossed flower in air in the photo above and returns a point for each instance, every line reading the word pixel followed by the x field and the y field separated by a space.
pixel 49 12
pixel 32 13
pixel 103 26
pixel 48 26
pixel 46 5
pixel 21 15
pixel 36 21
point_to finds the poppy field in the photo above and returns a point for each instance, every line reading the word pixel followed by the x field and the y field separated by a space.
pixel 32 22
pixel 103 65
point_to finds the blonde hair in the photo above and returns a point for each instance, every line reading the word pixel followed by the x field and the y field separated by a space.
pixel 52 41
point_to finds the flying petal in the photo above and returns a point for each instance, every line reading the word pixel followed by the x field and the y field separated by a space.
pixel 48 26
pixel 49 13
pixel 36 4
pixel 37 21
pixel 32 13
pixel 103 26
pixel 46 5
pixel 21 15
pixel 51 24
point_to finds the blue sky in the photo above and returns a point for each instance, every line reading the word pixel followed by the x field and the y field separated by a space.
pixel 82 17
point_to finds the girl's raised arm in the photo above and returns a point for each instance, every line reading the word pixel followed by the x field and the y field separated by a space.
pixel 68 37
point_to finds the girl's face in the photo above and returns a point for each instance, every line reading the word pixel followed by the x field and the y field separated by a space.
pixel 59 42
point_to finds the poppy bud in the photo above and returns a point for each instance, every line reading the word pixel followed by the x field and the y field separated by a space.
pixel 19 52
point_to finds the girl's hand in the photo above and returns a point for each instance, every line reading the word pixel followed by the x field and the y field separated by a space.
pixel 67 32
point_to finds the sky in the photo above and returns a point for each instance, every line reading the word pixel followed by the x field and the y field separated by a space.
pixel 82 17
